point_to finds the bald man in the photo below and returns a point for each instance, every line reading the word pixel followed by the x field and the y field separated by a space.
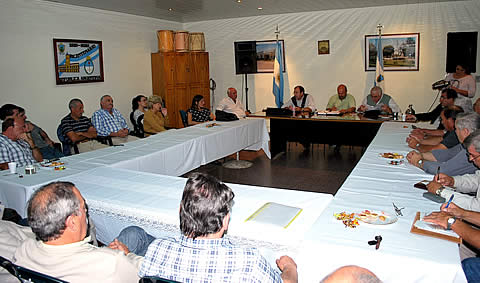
pixel 351 274
pixel 231 104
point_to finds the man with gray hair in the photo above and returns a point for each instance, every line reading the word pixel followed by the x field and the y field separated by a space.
pixel 78 129
pixel 351 274
pixel 465 184
pixel 452 161
pixel 58 216
pixel 109 122
pixel 377 100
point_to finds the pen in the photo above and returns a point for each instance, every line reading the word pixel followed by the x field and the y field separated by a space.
pixel 438 172
pixel 449 201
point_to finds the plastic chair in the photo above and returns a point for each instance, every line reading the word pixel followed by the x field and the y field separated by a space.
pixel 66 143
pixel 137 126
pixel 183 116
pixel 27 275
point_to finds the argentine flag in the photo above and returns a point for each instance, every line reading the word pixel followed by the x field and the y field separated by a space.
pixel 278 76
pixel 379 78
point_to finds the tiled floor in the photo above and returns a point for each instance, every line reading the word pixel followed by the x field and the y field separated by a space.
pixel 319 170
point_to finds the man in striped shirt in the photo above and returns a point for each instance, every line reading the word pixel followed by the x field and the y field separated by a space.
pixel 108 121
pixel 78 129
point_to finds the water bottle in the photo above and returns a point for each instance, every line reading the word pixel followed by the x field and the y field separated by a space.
pixel 410 110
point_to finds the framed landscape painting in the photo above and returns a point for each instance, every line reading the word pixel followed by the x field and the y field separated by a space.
pixel 400 52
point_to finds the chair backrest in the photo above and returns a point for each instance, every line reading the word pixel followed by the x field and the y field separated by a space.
pixel 153 279
pixel 66 148
pixel 183 116
pixel 27 275
pixel 141 132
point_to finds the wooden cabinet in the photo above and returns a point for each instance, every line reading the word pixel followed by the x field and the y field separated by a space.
pixel 177 77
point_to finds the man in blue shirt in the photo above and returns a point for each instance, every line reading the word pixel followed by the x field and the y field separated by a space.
pixel 201 253
pixel 108 121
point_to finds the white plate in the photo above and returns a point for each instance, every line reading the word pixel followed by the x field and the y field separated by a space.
pixel 400 156
pixel 378 220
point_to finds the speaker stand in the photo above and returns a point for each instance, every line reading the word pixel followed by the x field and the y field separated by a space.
pixel 246 92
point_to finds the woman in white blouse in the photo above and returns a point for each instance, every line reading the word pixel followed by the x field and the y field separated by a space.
pixel 465 86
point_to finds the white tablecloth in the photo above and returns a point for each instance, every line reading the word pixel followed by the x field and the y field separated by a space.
pixel 173 152
pixel 374 185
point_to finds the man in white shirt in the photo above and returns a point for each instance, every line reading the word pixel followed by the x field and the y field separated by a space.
pixel 232 105
pixel 301 101
pixel 57 214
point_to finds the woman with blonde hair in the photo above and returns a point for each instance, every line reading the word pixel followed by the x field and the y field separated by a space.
pixel 155 118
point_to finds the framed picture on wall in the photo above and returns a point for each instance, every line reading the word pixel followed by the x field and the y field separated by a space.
pixel 78 61
pixel 323 47
pixel 400 52
pixel 266 55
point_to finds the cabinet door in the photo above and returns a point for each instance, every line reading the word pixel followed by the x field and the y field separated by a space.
pixel 182 68
pixel 182 103
pixel 170 104
pixel 168 62
pixel 200 71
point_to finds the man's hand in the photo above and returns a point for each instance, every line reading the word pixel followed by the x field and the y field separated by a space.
pixel 414 157
pixel 288 268
pixel 439 218
pixel 117 245
pixel 386 108
pixel 410 117
pixel 333 109
pixel 433 187
pixel 362 108
pixel 444 179
pixel 122 133
pixel 417 135
pixel 454 210
pixel 412 142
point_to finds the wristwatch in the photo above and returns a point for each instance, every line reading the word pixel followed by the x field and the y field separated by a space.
pixel 420 163
pixel 438 192
pixel 450 222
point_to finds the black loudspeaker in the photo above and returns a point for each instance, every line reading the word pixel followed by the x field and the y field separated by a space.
pixel 461 48
pixel 246 57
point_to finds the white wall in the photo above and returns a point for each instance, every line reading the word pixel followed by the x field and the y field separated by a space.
pixel 320 74
pixel 27 75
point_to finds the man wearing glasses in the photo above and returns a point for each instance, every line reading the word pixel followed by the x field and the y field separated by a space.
pixel 464 185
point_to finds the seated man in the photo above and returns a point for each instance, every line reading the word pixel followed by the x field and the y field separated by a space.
pixel 452 161
pixel 42 141
pixel 78 128
pixel 377 100
pixel 300 101
pixel 16 145
pixel 57 214
pixel 447 98
pixel 109 122
pixel 425 142
pixel 202 253
pixel 232 105
pixel 452 218
pixel 465 184
pixel 342 101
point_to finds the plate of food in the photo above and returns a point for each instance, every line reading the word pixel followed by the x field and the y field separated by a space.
pixel 53 165
pixel 391 155
pixel 376 217
pixel 212 125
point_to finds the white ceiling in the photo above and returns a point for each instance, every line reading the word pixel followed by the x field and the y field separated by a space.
pixel 201 10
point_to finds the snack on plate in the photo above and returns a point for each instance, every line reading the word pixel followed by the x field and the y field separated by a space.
pixel 391 155
pixel 395 162
pixel 59 168
pixel 52 164
pixel 377 218
pixel 367 215
pixel 212 125
pixel 348 219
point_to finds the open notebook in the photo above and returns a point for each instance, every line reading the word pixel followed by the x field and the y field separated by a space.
pixel 275 214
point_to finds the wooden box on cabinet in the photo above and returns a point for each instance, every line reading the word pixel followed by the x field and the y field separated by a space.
pixel 177 77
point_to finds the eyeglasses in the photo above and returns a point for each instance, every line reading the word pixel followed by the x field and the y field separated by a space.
pixel 443 97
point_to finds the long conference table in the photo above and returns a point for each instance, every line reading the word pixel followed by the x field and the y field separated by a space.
pixel 173 152
pixel 119 197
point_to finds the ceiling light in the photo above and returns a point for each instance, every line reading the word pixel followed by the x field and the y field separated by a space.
pixel 170 9
pixel 259 8
pixel 239 1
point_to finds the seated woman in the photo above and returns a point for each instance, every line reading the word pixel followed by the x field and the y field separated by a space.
pixel 155 118
pixel 198 113
pixel 139 103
